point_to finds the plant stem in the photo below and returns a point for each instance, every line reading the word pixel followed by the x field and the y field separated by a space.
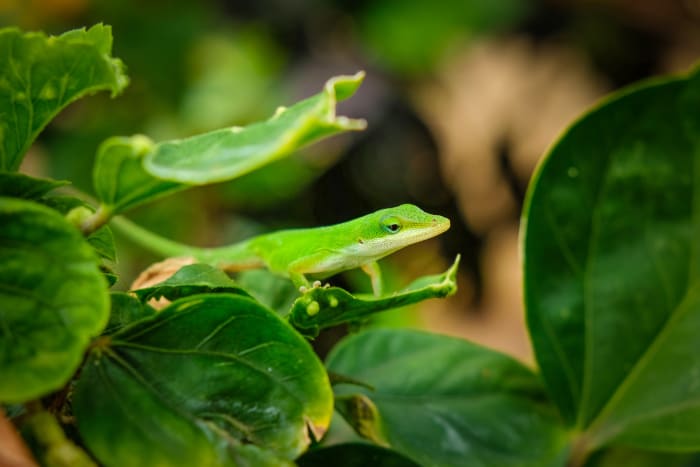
pixel 96 220
pixel 152 241
pixel 580 452
pixel 49 443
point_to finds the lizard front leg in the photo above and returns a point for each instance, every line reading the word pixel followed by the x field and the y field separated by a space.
pixel 375 276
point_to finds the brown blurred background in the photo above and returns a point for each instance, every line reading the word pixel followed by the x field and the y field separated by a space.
pixel 462 99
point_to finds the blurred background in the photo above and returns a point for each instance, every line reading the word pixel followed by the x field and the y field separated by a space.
pixel 462 98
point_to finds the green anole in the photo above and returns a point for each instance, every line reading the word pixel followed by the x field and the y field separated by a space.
pixel 318 252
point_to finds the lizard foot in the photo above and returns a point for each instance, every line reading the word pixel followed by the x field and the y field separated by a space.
pixel 315 285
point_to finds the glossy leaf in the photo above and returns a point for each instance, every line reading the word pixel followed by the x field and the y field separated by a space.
pixel 202 376
pixel 41 75
pixel 53 296
pixel 354 455
pixel 191 280
pixel 17 185
pixel 231 152
pixel 125 309
pixel 120 180
pixel 446 402
pixel 612 268
pixel 323 307
pixel 622 456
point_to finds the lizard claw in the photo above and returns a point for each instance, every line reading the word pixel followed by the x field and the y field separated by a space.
pixel 314 285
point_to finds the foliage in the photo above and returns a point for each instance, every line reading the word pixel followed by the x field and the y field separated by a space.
pixel 216 378
pixel 224 374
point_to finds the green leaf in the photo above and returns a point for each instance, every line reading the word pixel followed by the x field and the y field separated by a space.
pixel 17 185
pixel 53 296
pixel 191 280
pixel 272 290
pixel 204 375
pixel 617 456
pixel 612 268
pixel 125 309
pixel 323 307
pixel 120 180
pixel 354 455
pixel 101 240
pixel 231 152
pixel 41 75
pixel 446 402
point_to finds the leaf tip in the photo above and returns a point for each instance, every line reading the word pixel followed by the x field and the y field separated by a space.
pixel 344 86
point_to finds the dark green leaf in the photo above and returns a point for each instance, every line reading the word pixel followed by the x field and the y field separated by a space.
pixel 354 455
pixel 17 185
pixel 446 402
pixel 102 241
pixel 41 75
pixel 53 296
pixel 323 307
pixel 125 309
pixel 231 152
pixel 191 280
pixel 110 276
pixel 612 268
pixel 120 180
pixel 272 290
pixel 623 456
pixel 202 376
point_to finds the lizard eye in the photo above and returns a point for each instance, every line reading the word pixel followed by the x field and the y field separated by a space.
pixel 391 224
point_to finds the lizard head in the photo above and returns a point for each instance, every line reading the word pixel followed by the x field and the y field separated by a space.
pixel 404 225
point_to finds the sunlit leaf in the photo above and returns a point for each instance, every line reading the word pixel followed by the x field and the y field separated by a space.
pixel 120 180
pixel 41 75
pixel 612 268
pixel 53 296
pixel 191 384
pixel 443 401
pixel 231 152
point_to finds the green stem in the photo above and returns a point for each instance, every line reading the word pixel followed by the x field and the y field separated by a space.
pixel 152 241
pixel 49 443
pixel 96 220
pixel 580 451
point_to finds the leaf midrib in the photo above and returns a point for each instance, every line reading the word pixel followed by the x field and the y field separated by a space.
pixel 598 424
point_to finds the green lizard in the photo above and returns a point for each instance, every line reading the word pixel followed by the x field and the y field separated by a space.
pixel 318 252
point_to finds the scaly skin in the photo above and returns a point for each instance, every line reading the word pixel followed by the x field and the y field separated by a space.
pixel 321 252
